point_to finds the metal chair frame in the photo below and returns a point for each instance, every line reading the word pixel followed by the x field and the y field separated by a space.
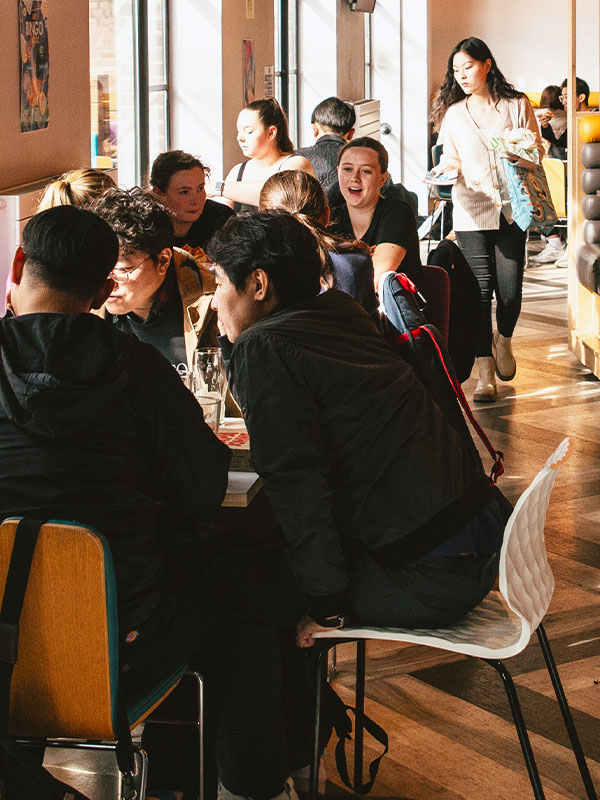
pixel 518 608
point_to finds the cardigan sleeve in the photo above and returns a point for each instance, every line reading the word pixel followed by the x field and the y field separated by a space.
pixel 527 120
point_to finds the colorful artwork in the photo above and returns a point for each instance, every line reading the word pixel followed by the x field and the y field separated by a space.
pixel 248 70
pixel 34 64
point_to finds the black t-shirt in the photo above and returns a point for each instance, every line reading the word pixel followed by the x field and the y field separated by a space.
pixel 164 326
pixel 213 217
pixel 393 222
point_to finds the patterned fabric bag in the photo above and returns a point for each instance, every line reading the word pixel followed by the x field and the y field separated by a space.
pixel 530 198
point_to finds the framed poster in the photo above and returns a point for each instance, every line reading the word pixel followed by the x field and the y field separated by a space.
pixel 248 70
pixel 34 65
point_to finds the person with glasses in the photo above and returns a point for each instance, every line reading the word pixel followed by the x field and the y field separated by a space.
pixel 109 436
pixel 161 294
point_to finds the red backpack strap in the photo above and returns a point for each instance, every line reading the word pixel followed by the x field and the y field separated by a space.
pixel 497 455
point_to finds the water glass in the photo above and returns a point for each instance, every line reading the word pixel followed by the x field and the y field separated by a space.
pixel 209 375
pixel 211 408
pixel 185 374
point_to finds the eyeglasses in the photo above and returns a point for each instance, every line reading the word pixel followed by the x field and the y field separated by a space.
pixel 121 274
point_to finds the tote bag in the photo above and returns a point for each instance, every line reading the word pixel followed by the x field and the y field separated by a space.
pixel 530 197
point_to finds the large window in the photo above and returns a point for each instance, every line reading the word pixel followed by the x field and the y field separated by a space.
pixel 129 76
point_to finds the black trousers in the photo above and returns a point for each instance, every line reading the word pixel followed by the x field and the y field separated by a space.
pixel 264 729
pixel 497 259
pixel 237 624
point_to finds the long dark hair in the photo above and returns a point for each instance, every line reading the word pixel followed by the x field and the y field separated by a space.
pixel 450 92
pixel 271 113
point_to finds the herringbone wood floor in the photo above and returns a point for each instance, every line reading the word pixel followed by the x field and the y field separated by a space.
pixel 447 717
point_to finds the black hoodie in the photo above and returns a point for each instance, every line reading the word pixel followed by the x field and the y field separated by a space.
pixel 97 427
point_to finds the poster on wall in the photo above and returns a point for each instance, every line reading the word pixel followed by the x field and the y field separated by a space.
pixel 34 64
pixel 248 71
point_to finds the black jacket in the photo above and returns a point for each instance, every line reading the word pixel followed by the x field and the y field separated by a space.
pixel 352 449
pixel 97 427
pixel 323 155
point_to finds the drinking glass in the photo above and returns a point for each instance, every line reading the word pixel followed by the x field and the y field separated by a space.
pixel 185 374
pixel 209 375
pixel 211 408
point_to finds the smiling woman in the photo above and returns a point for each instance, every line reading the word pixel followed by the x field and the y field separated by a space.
pixel 388 225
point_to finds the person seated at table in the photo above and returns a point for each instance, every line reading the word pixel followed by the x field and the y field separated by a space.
pixel 346 265
pixel 387 516
pixel 96 426
pixel 263 137
pixel 161 294
pixel 385 223
pixel 332 121
pixel 178 179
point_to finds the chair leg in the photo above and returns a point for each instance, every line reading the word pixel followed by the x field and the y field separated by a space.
pixel 517 713
pixel 200 685
pixel 313 781
pixel 360 712
pixel 566 712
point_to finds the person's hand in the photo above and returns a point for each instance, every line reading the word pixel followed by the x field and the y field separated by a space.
pixel 512 157
pixel 544 119
pixel 436 171
pixel 305 629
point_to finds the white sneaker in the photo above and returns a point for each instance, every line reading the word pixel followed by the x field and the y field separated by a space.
pixel 549 254
pixel 563 261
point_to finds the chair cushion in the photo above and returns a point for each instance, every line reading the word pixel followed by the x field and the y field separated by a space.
pixel 140 703
pixel 588 267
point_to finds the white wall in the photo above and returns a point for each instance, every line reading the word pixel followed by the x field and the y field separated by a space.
pixel 331 57
pixel 196 80
pixel 399 82
pixel 528 39
pixel 65 143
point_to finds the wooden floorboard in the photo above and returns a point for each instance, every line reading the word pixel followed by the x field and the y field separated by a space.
pixel 447 716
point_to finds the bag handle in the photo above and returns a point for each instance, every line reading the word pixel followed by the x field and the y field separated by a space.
pixel 378 733
pixel 12 604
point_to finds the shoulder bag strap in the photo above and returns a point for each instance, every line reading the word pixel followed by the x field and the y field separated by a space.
pixel 12 605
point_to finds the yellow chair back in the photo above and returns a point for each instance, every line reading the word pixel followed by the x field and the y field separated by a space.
pixel 61 684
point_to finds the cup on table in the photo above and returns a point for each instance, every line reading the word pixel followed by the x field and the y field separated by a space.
pixel 211 408
pixel 209 377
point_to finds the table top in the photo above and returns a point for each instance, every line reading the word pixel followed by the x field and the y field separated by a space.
pixel 241 489
pixel 241 486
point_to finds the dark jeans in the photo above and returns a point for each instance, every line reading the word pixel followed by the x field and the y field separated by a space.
pixel 265 725
pixel 497 259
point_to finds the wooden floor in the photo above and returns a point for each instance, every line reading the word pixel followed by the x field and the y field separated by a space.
pixel 447 717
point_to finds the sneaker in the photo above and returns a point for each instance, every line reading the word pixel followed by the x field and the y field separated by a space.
pixel 563 261
pixel 302 777
pixel 549 254
pixel 288 793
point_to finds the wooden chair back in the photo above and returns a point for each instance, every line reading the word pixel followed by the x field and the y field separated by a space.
pixel 64 682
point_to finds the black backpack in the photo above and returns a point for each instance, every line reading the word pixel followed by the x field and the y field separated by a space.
pixel 421 345
pixel 22 777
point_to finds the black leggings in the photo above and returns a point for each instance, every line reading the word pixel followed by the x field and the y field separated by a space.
pixel 497 259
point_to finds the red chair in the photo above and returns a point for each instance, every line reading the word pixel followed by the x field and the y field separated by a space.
pixel 435 287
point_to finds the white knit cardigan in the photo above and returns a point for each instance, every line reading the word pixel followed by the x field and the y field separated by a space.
pixel 480 194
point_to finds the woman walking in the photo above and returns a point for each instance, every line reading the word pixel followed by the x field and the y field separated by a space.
pixel 475 103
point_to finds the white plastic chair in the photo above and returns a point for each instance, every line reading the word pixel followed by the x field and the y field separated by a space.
pixel 499 627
